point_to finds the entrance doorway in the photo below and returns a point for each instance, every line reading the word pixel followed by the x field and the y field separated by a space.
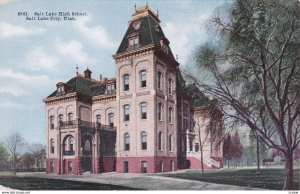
pixel 87 164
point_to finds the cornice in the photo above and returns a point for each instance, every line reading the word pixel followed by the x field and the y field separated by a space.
pixel 59 99
pixel 103 98
pixel 134 53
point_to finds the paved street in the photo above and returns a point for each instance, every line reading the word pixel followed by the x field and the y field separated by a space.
pixel 142 181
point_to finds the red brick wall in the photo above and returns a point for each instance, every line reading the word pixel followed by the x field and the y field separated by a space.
pixel 107 164
pixel 153 164
pixel 56 165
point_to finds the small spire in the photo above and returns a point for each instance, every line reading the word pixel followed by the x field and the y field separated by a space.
pixel 135 7
pixel 77 70
pixel 157 12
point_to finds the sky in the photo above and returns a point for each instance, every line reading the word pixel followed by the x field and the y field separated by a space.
pixel 37 54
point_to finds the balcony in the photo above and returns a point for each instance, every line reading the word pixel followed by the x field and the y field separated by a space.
pixel 79 123
pixel 69 153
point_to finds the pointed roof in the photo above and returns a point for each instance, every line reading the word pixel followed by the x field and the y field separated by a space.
pixel 149 32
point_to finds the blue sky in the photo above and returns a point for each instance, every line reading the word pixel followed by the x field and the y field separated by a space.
pixel 35 55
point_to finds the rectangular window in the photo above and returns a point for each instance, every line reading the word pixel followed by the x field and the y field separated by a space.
pixel 133 43
pixel 126 82
pixel 170 86
pixel 52 122
pixel 191 144
pixel 127 142
pixel 144 167
pixel 170 115
pixel 143 78
pixel 111 119
pixel 144 141
pixel 159 76
pixel 197 147
pixel 126 112
pixel 126 166
pixel 159 112
pixel 144 110
pixel 108 90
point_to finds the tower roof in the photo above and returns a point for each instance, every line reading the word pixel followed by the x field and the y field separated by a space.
pixel 146 25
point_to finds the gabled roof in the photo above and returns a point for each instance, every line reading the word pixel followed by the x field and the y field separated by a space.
pixel 149 33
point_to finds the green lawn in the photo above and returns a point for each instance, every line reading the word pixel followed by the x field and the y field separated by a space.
pixel 28 183
pixel 268 179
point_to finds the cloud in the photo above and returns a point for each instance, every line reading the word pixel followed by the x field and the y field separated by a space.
pixel 73 50
pixel 20 84
pixel 5 1
pixel 39 60
pixel 16 105
pixel 8 30
pixel 95 34
pixel 185 38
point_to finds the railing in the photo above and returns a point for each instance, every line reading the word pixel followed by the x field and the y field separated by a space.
pixel 69 153
pixel 76 123
pixel 206 159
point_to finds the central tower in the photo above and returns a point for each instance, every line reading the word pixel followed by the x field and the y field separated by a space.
pixel 146 97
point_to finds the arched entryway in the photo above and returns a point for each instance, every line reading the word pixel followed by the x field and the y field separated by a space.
pixel 87 153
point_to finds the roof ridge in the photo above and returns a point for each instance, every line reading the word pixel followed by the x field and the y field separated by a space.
pixel 151 35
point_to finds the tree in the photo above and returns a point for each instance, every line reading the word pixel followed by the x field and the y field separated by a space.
pixel 4 155
pixel 27 160
pixel 256 71
pixel 13 142
pixel 258 150
pixel 237 148
pixel 227 148
pixel 37 151
pixel 208 126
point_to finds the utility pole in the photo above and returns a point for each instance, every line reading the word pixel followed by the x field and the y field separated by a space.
pixel 257 153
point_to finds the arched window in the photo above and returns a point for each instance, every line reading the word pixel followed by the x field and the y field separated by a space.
pixel 51 122
pixel 51 146
pixel 170 143
pixel 170 86
pixel 111 119
pixel 87 145
pixel 71 144
pixel 159 111
pixel 144 140
pixel 159 80
pixel 126 112
pixel 126 142
pixel 170 115
pixel 70 118
pixel 160 141
pixel 126 82
pixel 60 119
pixel 143 77
pixel 98 121
pixel 143 110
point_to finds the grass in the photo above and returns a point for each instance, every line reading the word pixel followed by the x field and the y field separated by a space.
pixel 268 178
pixel 29 183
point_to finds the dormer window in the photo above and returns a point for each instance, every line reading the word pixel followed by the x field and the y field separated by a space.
pixel 133 41
pixel 164 45
pixel 61 88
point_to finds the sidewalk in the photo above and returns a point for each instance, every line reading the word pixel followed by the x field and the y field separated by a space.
pixel 141 181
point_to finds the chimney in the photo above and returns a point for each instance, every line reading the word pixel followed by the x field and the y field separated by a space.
pixel 88 73
pixel 100 77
